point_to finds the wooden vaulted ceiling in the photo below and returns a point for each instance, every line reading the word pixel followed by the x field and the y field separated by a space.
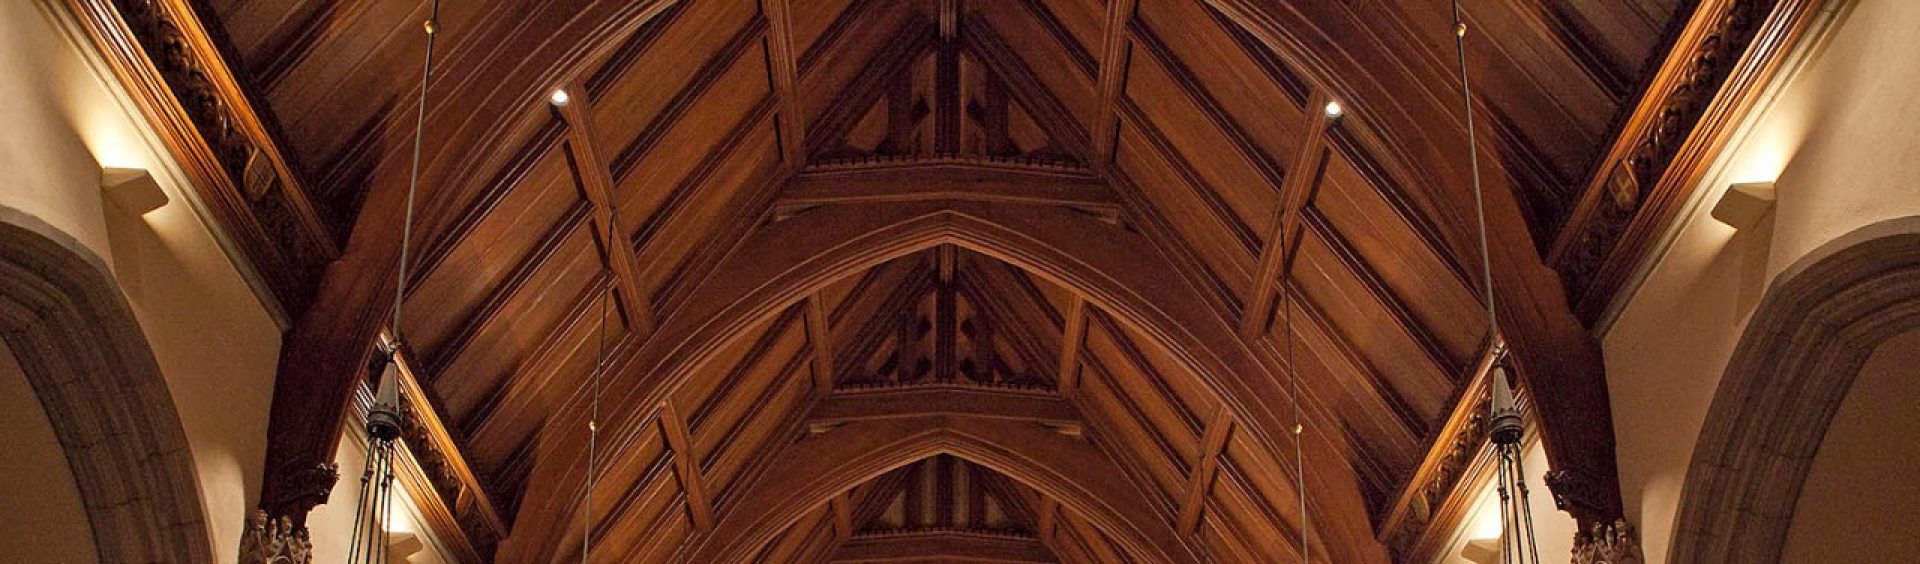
pixel 941 279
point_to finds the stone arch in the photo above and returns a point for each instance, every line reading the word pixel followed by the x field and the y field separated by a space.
pixel 84 354
pixel 1808 339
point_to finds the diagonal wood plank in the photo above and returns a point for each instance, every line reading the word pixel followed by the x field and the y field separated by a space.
pixel 686 467
pixel 596 181
pixel 1115 51
pixel 1205 465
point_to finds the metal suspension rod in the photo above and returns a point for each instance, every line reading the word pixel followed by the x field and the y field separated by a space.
pixel 1299 430
pixel 1473 159
pixel 413 180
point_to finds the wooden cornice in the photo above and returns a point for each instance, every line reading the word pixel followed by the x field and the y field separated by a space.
pixel 686 466
pixel 864 404
pixel 1715 73
pixel 176 74
pixel 1434 502
pixel 947 178
pixel 942 545
pixel 596 183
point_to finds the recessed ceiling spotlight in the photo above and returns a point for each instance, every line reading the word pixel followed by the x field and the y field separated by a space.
pixel 559 97
pixel 1334 110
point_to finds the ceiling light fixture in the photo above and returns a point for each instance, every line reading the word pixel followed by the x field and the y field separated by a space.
pixel 372 536
pixel 1505 428
pixel 1334 109
pixel 559 97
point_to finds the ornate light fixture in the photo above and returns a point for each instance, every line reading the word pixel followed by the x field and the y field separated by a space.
pixel 1505 428
pixel 374 510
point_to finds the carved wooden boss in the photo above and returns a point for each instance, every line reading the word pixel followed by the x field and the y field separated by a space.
pixel 944 278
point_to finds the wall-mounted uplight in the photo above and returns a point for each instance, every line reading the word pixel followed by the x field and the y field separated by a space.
pixel 1744 204
pixel 1334 110
pixel 559 97
pixel 132 190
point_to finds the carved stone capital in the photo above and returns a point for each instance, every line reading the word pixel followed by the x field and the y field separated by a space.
pixel 1608 544
pixel 274 541
pixel 303 490
pixel 1579 494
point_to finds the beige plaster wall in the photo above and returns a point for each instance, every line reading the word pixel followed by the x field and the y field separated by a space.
pixel 1842 139
pixel 44 520
pixel 213 339
pixel 1864 468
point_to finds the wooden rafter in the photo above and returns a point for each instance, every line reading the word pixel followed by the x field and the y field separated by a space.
pixel 820 337
pixel 784 64
pixel 1297 191
pixel 1115 48
pixel 596 182
pixel 1072 340
pixel 686 466
pixel 1205 464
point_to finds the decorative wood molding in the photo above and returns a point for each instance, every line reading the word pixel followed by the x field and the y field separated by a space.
pixel 1727 54
pixel 176 74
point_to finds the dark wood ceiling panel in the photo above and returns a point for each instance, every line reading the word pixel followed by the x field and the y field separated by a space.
pixel 877 31
pixel 644 505
pixel 542 207
pixel 1366 320
pixel 813 20
pixel 500 429
pixel 702 209
pixel 1124 428
pixel 644 91
pixel 647 184
pixel 476 367
pixel 1084 20
pixel 1039 48
pixel 1262 107
pixel 1438 297
pixel 1203 227
pixel 1242 187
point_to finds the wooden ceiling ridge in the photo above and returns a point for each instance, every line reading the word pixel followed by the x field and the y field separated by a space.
pixel 1057 465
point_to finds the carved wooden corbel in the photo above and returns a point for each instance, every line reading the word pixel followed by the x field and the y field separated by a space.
pixel 1608 544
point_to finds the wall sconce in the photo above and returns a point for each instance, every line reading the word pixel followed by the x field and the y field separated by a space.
pixel 132 189
pixel 1744 204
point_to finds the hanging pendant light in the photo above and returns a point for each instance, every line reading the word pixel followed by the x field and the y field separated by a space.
pixel 1504 427
pixel 373 512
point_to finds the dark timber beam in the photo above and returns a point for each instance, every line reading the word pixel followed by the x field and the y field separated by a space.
pixel 938 178
pixel 916 401
pixel 783 64
pixel 820 338
pixel 596 183
pixel 943 546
